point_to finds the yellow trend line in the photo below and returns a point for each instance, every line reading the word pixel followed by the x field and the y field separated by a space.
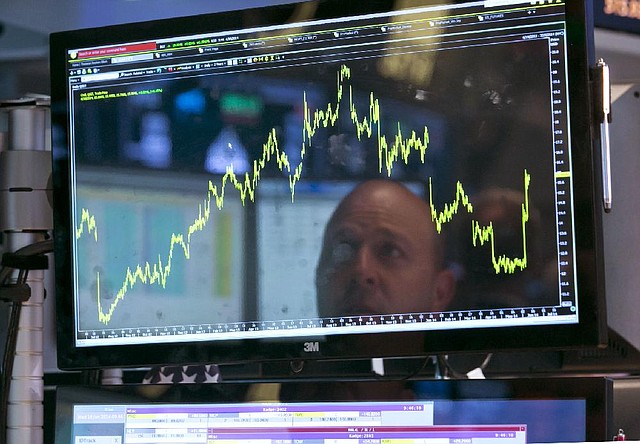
pixel 480 234
pixel 401 147
pixel 451 209
pixel 88 220
pixel 485 234
pixel 158 272
pixel 149 274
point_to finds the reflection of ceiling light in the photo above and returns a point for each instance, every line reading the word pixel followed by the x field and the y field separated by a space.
pixel 225 152
pixel 421 94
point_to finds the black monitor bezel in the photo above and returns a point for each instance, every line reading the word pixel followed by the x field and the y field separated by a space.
pixel 589 332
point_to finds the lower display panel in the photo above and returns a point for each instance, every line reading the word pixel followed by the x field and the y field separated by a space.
pixel 507 411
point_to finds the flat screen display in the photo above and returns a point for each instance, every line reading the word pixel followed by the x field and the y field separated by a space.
pixel 501 411
pixel 320 180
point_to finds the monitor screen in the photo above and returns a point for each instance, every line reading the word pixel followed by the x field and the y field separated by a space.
pixel 503 411
pixel 323 180
pixel 277 423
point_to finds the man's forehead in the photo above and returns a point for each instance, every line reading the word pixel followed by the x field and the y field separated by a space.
pixel 383 218
pixel 383 197
pixel 351 228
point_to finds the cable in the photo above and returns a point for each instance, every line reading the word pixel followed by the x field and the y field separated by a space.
pixel 7 365
pixel 449 371
pixel 419 369
pixel 486 361
pixel 34 250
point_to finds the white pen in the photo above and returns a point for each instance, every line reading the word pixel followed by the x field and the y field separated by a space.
pixel 604 135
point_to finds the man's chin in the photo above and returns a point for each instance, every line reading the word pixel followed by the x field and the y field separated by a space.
pixel 354 303
pixel 360 311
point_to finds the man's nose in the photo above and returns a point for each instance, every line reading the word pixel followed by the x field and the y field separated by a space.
pixel 366 266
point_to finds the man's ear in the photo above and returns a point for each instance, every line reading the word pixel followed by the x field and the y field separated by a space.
pixel 444 290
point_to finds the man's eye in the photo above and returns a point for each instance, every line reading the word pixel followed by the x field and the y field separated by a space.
pixel 389 251
pixel 342 252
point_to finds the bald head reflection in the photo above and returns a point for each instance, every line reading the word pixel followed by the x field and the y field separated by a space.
pixel 380 255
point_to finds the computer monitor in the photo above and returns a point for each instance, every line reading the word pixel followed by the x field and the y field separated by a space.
pixel 201 166
pixel 507 411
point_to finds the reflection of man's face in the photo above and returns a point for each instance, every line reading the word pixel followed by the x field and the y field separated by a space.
pixel 379 255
